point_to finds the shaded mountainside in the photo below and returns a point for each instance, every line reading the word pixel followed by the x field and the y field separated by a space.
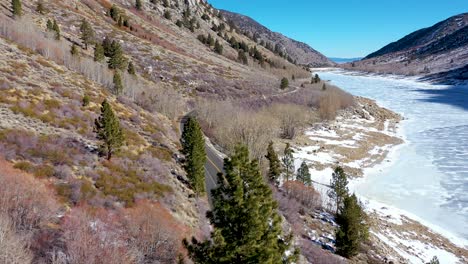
pixel 433 51
pixel 298 51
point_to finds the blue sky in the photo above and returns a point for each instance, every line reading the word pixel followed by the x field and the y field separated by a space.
pixel 345 28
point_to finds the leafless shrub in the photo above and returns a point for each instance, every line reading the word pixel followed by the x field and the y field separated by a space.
pixel 306 195
pixel 332 100
pixel 292 118
pixel 94 239
pixel 25 200
pixel 14 248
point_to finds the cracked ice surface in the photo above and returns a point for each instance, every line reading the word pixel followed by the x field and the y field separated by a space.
pixel 427 176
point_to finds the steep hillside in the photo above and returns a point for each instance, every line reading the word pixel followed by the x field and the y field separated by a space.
pixel 295 50
pixel 440 50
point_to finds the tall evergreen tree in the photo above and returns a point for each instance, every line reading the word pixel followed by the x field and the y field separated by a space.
pixel 131 68
pixel 40 7
pixel 303 174
pixel 99 53
pixel 218 48
pixel 74 50
pixel 241 57
pixel 17 9
pixel 338 187
pixel 353 229
pixel 193 147
pixel 284 83
pixel 275 166
pixel 138 4
pixel 107 127
pixel 56 28
pixel 87 33
pixel 288 161
pixel 107 46
pixel 247 227
pixel 117 81
pixel 117 60
pixel 50 25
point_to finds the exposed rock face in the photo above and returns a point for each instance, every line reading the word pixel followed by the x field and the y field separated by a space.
pixel 438 52
pixel 299 51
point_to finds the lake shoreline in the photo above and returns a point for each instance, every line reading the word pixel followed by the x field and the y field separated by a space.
pixel 399 234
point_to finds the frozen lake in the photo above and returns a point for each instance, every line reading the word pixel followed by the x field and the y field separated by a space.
pixel 429 174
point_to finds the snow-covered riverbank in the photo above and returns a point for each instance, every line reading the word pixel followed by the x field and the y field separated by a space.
pixel 408 230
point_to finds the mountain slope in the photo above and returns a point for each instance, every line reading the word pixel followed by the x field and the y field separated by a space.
pixel 298 51
pixel 430 51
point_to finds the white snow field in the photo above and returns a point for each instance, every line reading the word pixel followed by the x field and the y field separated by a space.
pixel 428 175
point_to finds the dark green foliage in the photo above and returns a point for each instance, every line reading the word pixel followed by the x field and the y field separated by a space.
pixel 50 25
pixel 117 60
pixel 107 46
pixel 284 83
pixel 218 48
pixel 324 87
pixel 315 79
pixel 131 68
pixel 167 14
pixel 85 100
pixel 56 28
pixel 166 3
pixel 179 23
pixel 241 57
pixel 99 53
pixel 274 163
pixel 193 147
pixel 288 161
pixel 434 260
pixel 17 9
pixel 210 40
pixel 40 7
pixel 107 127
pixel 205 17
pixel 114 13
pixel 74 50
pixel 339 187
pixel 138 4
pixel 247 227
pixel 352 229
pixel 117 81
pixel 293 77
pixel 303 174
pixel 87 33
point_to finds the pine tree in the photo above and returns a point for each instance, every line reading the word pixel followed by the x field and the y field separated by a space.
pixel 131 68
pixel 242 57
pixel 434 260
pixel 50 25
pixel 193 147
pixel 138 4
pixel 352 229
pixel 275 166
pixel 107 127
pixel 117 81
pixel 56 28
pixel 284 83
pixel 117 60
pixel 324 87
pixel 17 9
pixel 218 48
pixel 87 33
pixel 338 187
pixel 303 174
pixel 74 50
pixel 40 7
pixel 99 53
pixel 167 15
pixel 247 227
pixel 107 46
pixel 288 161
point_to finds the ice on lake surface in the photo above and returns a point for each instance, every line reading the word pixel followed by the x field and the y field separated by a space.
pixel 429 176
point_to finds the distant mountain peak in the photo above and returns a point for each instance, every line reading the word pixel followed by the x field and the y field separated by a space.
pixel 300 52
